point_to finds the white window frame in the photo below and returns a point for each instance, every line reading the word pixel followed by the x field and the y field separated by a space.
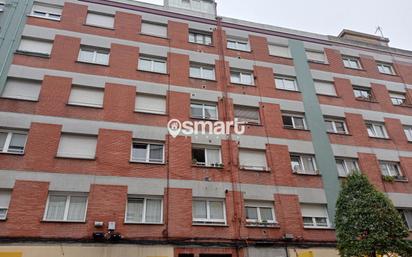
pixel 86 104
pixel 349 60
pixel 147 160
pixel 316 52
pixel 154 24
pixel 6 208
pixel 295 116
pixel 208 220
pixel 205 151
pixel 283 78
pixel 346 166
pixel 99 25
pixel 334 127
pixel 47 15
pixel 374 130
pixel 152 61
pixel 259 221
pixel 408 132
pixel 202 67
pixel 202 106
pixel 66 208
pixel 408 222
pixel 397 99
pixel 286 47
pixel 237 43
pixel 382 66
pixel 363 89
pixel 151 111
pixel 253 167
pixel 388 171
pixel 195 34
pixel 144 210
pixel 315 225
pixel 95 51
pixel 254 122
pixel 8 140
pixel 303 170
pixel 241 75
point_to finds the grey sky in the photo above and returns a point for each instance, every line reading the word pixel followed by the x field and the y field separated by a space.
pixel 327 16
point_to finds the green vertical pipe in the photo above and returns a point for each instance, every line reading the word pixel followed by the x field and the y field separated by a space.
pixel 323 149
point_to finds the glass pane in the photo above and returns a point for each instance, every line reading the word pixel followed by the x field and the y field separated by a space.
pixel 266 214
pixel 208 73
pixel 341 168
pixel 251 213
pixel 210 112
pixel 198 155
pixel 242 46
pixel 295 163
pixel 77 208
pixel 102 58
pixel 3 137
pixel 145 64
pixel 195 72
pixel 139 152
pixel 308 164
pixel 3 213
pixel 308 221
pixel 340 127
pixel 199 210
pixel 86 55
pixel 351 165
pixel 213 156
pixel 153 210
pixel 160 66
pixel 290 84
pixel 208 40
pixel 235 77
pixel 192 37
pixel 196 110
pixel 299 123
pixel 394 169
pixel 329 126
pixel 371 131
pixel 287 121
pixel 231 44
pixel 246 78
pixel 56 207
pixel 279 83
pixel 17 143
pixel 216 210
pixel 321 222
pixel 134 210
pixel 379 131
pixel 156 153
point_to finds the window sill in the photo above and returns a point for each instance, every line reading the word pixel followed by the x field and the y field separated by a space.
pixel 404 105
pixel 198 44
pixel 242 84
pixel 3 220
pixel 97 26
pixel 318 62
pixel 389 74
pixel 84 105
pixel 339 134
pixel 152 35
pixel 209 225
pixel 203 79
pixel 262 225
pixel 239 50
pixel 355 69
pixel 381 138
pixel 251 124
pixel 63 221
pixel 20 99
pixel 366 100
pixel 39 17
pixel 262 170
pixel 204 119
pixel 207 167
pixel 288 90
pixel 76 158
pixel 16 154
pixel 298 129
pixel 153 72
pixel 148 163
pixel 139 223
pixel 151 113
pixel 318 228
pixel 92 63
pixel 283 57
pixel 317 174
pixel 41 55
pixel 332 96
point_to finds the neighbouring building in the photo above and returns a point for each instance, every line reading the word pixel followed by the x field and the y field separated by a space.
pixel 87 165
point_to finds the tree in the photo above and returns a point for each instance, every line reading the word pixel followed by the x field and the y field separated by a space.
pixel 367 223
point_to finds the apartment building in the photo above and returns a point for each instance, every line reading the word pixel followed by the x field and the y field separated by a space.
pixel 88 167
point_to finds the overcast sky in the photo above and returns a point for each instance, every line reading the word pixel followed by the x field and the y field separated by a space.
pixel 327 17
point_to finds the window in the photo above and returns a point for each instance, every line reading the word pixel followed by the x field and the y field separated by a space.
pixel 406 215
pixel 201 38
pixel 316 56
pixel 86 96
pixel 241 77
pixel 4 203
pixel 408 133
pixel 100 20
pixel 202 71
pixel 203 111
pixel 144 210
pixel 147 152
pixel 12 141
pixel 397 98
pixel 238 44
pixel 23 89
pixel 363 93
pixel 154 29
pixel 294 121
pixel 66 207
pixel 376 130
pixel 1 10
pixel 303 164
pixel 209 211
pixel 346 166
pixel 77 146
pixel 279 50
pixel 259 213
pixel 46 12
pixel 386 68
pixel 286 83
pixel 152 64
pixel 336 126
pixel 206 156
pixel 392 169
pixel 252 159
pixel 206 6
pixel 351 62
pixel 31 45
pixel 249 115
pixel 150 103
pixel 325 88
pixel 314 216
pixel 94 55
